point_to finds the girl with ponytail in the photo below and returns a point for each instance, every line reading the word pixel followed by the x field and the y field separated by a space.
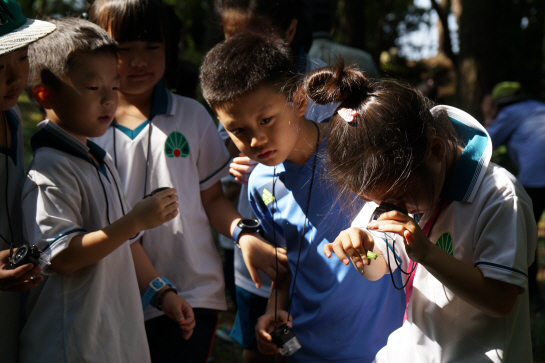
pixel 459 227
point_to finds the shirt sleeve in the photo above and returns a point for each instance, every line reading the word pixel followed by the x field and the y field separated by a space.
pixel 506 240
pixel 214 159
pixel 51 214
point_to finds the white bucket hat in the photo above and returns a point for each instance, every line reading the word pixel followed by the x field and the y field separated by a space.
pixel 16 31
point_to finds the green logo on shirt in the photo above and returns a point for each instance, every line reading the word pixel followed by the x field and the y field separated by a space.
pixel 267 197
pixel 444 242
pixel 176 145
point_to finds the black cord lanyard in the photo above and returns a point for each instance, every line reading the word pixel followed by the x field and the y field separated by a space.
pixel 302 233
pixel 147 154
pixel 106 195
pixel 409 274
pixel 6 189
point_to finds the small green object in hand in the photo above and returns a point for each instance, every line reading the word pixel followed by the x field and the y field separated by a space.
pixel 371 255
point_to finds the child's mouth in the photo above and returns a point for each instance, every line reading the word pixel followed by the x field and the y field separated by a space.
pixel 266 155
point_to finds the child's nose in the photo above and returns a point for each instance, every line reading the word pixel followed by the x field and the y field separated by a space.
pixel 138 61
pixel 257 139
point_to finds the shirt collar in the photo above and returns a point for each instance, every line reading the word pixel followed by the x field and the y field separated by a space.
pixel 470 168
pixel 53 136
pixel 161 103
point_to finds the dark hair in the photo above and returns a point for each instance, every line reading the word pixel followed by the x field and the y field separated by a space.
pixel 52 57
pixel 243 63
pixel 275 15
pixel 142 20
pixel 387 143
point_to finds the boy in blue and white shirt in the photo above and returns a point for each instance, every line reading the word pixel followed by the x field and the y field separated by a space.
pixel 289 195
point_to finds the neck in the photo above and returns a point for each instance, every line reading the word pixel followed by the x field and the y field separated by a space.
pixel 307 142
pixel 134 106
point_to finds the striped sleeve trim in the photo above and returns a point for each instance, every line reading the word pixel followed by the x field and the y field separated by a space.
pixel 495 265
pixel 64 235
pixel 217 171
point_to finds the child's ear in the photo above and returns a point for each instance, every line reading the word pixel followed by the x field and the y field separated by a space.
pixel 290 33
pixel 300 102
pixel 42 96
pixel 437 149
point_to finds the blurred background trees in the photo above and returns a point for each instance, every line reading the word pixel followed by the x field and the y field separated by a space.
pixel 461 48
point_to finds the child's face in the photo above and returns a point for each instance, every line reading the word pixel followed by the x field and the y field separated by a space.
pixel 141 66
pixel 13 77
pixel 86 102
pixel 263 125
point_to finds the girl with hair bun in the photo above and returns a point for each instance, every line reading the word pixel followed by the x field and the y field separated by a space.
pixel 460 227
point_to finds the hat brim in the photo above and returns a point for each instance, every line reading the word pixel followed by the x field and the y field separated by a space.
pixel 509 99
pixel 28 33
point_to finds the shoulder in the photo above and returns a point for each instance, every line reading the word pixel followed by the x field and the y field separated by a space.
pixel 52 167
pixel 188 105
pixel 500 182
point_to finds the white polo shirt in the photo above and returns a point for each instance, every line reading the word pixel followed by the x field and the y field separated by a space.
pixel 489 225
pixel 12 173
pixel 185 153
pixel 94 314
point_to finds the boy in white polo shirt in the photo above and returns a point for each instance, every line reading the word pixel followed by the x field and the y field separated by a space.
pixel 89 308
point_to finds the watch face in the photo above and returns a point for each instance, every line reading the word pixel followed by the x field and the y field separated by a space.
pixel 249 223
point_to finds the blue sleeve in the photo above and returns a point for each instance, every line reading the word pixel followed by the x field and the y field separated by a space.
pixel 263 214
pixel 501 128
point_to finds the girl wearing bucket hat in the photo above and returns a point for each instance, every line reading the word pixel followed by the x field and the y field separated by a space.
pixel 16 33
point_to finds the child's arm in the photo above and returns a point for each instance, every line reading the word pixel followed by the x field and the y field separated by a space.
pixel 174 306
pixel 493 297
pixel 84 250
pixel 257 253
pixel 355 243
pixel 18 279
pixel 266 323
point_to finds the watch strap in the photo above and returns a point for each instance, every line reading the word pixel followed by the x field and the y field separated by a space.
pixel 154 286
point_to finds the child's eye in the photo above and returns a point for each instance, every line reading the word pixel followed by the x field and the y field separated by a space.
pixel 265 121
pixel 115 88
pixel 23 58
pixel 92 88
pixel 123 49
pixel 236 131
pixel 152 47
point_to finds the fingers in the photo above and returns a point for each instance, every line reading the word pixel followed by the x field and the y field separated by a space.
pixel 264 325
pixel 254 274
pixel 21 278
pixel 349 246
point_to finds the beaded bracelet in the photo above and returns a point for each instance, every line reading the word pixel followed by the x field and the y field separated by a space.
pixel 162 293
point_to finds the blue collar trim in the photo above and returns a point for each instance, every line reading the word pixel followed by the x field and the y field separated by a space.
pixel 464 177
pixel 132 133
pixel 53 136
pixel 161 104
pixel 13 124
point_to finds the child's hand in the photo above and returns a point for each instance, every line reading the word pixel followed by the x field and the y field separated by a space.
pixel 179 310
pixel 355 243
pixel 241 168
pixel 260 255
pixel 265 325
pixel 156 209
pixel 19 279
pixel 416 243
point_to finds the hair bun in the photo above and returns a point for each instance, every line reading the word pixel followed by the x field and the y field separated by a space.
pixel 337 84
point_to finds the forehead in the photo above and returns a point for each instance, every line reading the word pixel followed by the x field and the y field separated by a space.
pixel 92 64
pixel 251 104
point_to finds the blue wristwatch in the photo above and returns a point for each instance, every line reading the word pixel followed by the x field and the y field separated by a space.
pixel 246 225
pixel 154 286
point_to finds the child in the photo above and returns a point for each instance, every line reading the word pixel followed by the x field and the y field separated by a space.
pixel 159 139
pixel 16 33
pixel 88 309
pixel 245 81
pixel 467 257
pixel 284 19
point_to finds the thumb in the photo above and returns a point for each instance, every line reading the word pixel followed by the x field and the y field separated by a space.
pixel 255 276
pixel 408 237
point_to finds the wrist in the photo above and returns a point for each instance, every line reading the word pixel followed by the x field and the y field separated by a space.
pixel 246 226
pixel 161 295
pixel 155 286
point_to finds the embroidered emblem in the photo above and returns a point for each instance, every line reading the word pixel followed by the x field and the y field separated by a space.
pixel 176 145
pixel 267 197
pixel 444 242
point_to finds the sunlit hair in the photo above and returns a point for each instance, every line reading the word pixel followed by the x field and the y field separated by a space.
pixel 383 150
pixel 52 57
pixel 242 64
pixel 271 15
